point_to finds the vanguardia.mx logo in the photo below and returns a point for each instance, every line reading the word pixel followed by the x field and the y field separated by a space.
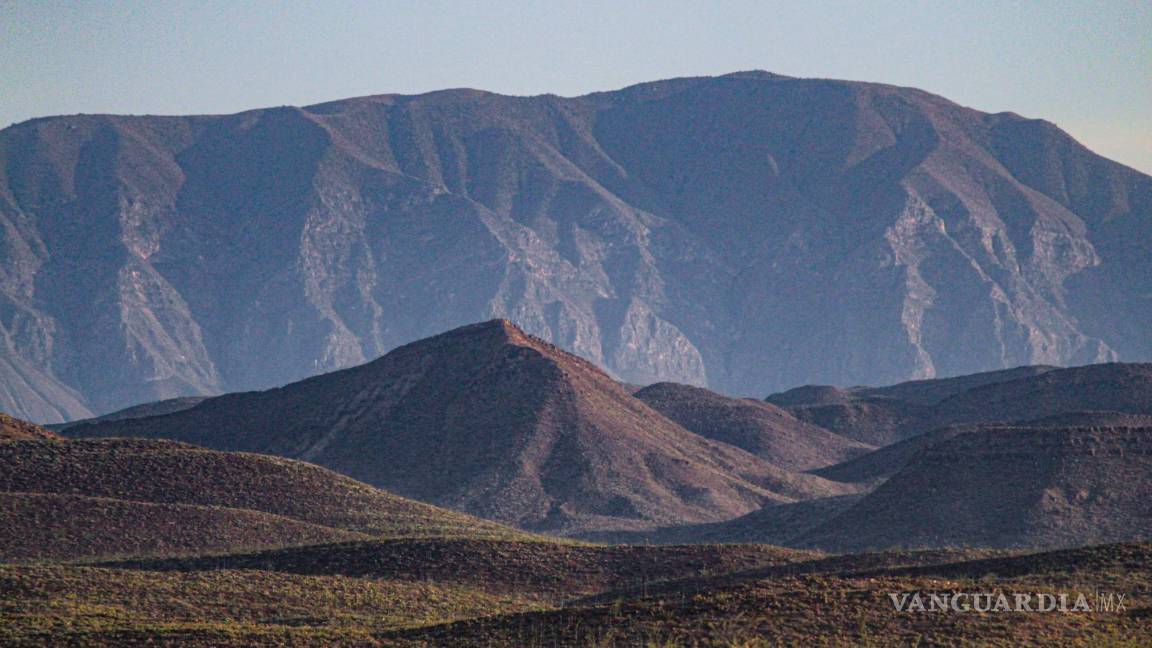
pixel 1068 602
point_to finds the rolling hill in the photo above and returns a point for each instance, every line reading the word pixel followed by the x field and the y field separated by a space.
pixel 82 499
pixel 1007 487
pixel 40 527
pixel 761 428
pixel 885 415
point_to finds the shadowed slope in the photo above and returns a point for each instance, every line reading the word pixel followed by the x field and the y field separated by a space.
pixel 560 571
pixel 168 473
pixel 1007 487
pixel 39 527
pixel 761 428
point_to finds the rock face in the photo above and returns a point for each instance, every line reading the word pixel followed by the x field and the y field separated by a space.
pixel 489 420
pixel 748 232
pixel 1007 488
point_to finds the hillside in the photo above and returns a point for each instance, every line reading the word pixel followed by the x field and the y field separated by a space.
pixel 885 415
pixel 839 602
pixel 119 497
pixel 1007 487
pixel 886 461
pixel 40 527
pixel 558 571
pixel 748 232
pixel 489 420
pixel 761 428
pixel 15 429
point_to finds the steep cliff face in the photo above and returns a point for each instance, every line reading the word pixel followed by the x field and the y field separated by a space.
pixel 748 232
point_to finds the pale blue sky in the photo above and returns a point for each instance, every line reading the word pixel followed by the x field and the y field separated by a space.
pixel 1085 65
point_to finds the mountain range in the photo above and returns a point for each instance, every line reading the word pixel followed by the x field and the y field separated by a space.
pixel 747 233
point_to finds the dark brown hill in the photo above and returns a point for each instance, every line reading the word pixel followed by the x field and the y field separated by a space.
pixel 1007 488
pixel 489 420
pixel 748 232
pixel 560 570
pixel 40 527
pixel 776 524
pixel 883 415
pixel 139 411
pixel 761 428
pixel 1113 387
pixel 169 473
pixel 12 428
pixel 888 460
pixel 875 421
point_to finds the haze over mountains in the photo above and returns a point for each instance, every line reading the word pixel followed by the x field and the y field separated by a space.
pixel 749 232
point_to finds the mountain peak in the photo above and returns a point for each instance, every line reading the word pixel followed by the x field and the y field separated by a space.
pixel 488 419
pixel 755 74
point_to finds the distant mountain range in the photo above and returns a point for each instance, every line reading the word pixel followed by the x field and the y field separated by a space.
pixel 491 421
pixel 748 233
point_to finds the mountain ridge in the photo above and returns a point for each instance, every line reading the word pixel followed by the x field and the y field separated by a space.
pixel 689 230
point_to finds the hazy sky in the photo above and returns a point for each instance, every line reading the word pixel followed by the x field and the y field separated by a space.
pixel 1085 65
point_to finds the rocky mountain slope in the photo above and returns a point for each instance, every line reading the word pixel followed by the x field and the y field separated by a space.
pixel 749 232
pixel 492 421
